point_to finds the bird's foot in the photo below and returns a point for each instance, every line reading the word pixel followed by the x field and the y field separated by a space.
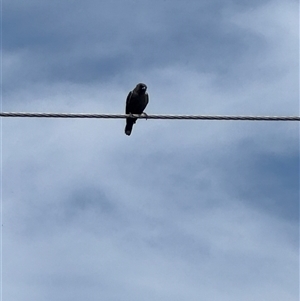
pixel 130 115
pixel 145 114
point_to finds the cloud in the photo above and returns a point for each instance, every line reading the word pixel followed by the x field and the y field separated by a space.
pixel 181 209
pixel 97 43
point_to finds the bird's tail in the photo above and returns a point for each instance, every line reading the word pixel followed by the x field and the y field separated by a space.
pixel 129 124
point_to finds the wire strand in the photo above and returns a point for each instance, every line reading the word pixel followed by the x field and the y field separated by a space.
pixel 143 116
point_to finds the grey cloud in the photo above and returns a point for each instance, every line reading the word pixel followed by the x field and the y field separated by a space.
pixel 73 43
pixel 183 210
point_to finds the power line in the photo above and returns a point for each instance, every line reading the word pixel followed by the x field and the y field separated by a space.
pixel 157 116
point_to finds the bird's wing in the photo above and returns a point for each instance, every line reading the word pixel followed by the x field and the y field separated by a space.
pixel 146 99
pixel 128 103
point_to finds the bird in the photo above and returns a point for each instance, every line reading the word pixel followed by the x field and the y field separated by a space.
pixel 136 103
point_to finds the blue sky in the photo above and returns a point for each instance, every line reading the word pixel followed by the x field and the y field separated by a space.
pixel 180 210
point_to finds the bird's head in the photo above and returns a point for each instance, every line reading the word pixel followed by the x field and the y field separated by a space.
pixel 141 88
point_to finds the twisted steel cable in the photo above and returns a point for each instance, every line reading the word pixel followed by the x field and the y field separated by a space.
pixel 155 116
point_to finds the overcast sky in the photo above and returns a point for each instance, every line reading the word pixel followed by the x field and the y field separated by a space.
pixel 180 210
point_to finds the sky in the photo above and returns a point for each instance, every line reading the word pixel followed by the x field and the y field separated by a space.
pixel 180 210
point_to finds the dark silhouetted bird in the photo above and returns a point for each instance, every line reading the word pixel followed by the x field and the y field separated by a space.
pixel 136 103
